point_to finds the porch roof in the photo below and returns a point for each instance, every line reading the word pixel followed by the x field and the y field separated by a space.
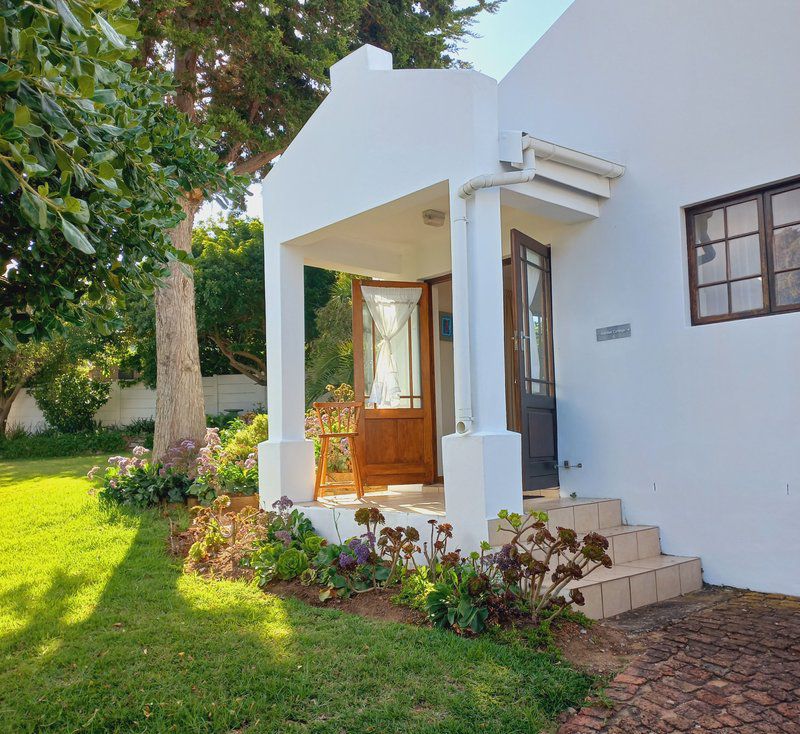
pixel 388 144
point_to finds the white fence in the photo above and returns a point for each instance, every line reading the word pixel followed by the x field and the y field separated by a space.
pixel 221 393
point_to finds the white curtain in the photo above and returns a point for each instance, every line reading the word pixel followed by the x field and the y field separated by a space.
pixel 390 308
pixel 534 307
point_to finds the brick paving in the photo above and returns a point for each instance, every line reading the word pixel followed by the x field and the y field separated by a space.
pixel 732 667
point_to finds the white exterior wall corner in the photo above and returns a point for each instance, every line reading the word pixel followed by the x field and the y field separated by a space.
pixel 379 136
pixel 694 427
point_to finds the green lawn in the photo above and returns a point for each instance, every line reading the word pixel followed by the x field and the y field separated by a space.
pixel 101 632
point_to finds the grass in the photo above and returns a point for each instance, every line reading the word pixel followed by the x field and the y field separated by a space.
pixel 101 632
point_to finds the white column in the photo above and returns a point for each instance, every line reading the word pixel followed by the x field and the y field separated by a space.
pixel 286 460
pixel 482 467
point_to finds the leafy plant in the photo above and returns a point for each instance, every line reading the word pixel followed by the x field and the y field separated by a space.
pixel 22 444
pixel 289 544
pixel 223 539
pixel 541 565
pixel 459 601
pixel 90 156
pixel 69 400
pixel 375 559
pixel 138 482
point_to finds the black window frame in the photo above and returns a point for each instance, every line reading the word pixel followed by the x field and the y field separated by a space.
pixel 763 197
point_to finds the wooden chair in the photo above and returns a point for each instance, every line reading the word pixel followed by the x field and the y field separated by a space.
pixel 338 420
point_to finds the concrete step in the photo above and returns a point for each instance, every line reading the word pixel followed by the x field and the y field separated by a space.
pixel 626 586
pixel 640 575
pixel 582 515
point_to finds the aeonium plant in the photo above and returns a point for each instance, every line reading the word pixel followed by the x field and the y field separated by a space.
pixel 373 560
pixel 541 564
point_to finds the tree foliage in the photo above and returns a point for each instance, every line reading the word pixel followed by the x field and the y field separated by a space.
pixel 330 355
pixel 257 71
pixel 70 399
pixel 91 158
pixel 228 260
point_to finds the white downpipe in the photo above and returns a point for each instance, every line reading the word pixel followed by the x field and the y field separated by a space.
pixel 460 245
pixel 491 180
pixel 462 374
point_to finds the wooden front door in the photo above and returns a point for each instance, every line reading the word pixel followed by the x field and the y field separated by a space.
pixel 534 373
pixel 393 378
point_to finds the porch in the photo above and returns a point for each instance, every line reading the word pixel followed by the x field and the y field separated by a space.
pixel 453 355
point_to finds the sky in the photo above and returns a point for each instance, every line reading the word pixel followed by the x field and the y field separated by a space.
pixel 503 38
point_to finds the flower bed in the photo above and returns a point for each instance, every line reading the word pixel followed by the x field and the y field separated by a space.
pixel 524 582
pixel 224 463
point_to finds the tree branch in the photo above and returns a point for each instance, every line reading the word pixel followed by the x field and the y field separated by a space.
pixel 255 163
pixel 257 374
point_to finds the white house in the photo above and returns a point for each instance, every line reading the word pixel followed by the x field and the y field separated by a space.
pixel 575 277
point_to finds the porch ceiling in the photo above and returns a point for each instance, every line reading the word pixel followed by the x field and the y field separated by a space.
pixel 386 241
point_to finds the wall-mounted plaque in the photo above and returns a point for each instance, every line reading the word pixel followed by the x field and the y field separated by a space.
pixel 619 331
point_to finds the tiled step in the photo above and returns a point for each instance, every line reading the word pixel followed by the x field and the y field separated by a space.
pixel 626 586
pixel 640 574
pixel 581 514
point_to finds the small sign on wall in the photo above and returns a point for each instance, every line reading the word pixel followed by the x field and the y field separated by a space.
pixel 445 326
pixel 619 331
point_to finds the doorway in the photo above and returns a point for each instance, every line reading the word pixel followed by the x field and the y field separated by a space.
pixel 529 359
pixel 530 368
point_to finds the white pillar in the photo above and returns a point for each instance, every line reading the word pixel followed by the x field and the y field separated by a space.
pixel 286 459
pixel 483 467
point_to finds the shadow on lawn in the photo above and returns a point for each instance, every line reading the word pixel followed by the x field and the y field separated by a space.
pixel 161 652
pixel 150 656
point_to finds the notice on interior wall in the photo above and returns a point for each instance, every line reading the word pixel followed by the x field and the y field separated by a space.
pixel 619 331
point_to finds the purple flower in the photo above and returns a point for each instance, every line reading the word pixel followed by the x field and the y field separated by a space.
pixel 346 561
pixel 284 536
pixel 361 550
pixel 139 451
pixel 283 504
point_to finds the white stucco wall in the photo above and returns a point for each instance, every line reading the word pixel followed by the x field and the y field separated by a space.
pixel 695 428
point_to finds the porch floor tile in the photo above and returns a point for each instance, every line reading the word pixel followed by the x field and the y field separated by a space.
pixel 416 499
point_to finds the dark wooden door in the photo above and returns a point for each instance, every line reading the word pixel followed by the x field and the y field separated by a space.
pixel 534 368
pixel 395 438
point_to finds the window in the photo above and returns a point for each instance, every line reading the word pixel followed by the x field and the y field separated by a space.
pixel 391 344
pixel 744 254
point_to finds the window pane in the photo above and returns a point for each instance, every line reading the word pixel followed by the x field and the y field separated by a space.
pixel 742 218
pixel 745 255
pixel 416 367
pixel 369 353
pixel 786 207
pixel 787 288
pixel 746 295
pixel 786 247
pixel 713 300
pixel 711 263
pixel 709 226
pixel 533 257
pixel 536 324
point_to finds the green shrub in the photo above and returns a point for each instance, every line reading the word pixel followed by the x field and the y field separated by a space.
pixel 50 443
pixel 137 482
pixel 140 426
pixel 242 437
pixel 222 420
pixel 288 546
pixel 70 400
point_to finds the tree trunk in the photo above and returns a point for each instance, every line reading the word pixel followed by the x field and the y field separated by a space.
pixel 180 410
pixel 6 401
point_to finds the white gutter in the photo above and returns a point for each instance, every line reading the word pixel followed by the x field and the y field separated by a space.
pixel 462 357
pixel 547 151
